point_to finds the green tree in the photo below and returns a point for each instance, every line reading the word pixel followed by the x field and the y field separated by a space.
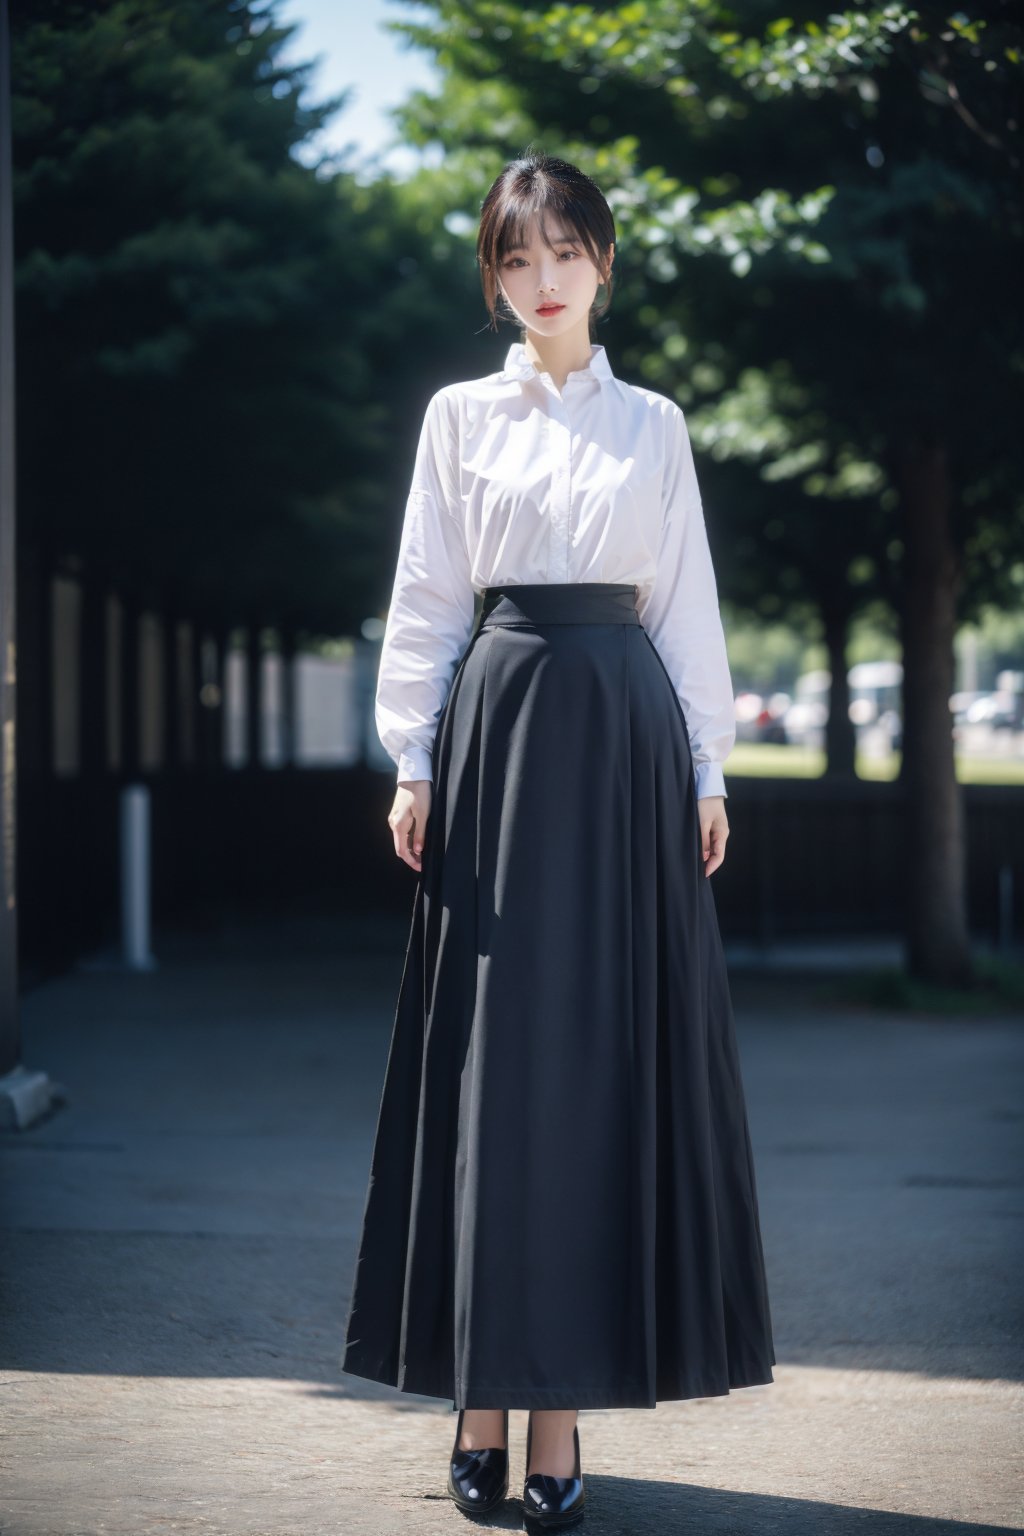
pixel 820 227
pixel 213 365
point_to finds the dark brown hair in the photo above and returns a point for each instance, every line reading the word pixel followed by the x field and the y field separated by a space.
pixel 531 185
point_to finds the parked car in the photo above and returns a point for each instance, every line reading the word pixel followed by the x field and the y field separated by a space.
pixel 762 719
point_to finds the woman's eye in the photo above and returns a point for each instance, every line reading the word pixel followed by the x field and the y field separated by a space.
pixel 518 260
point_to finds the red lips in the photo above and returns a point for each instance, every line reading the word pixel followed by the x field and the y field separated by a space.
pixel 550 309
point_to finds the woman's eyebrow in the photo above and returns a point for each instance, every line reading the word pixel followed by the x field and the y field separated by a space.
pixel 556 240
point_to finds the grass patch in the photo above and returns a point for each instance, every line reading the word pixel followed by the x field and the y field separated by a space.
pixel 765 760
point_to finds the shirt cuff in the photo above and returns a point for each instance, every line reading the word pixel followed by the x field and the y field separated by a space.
pixel 416 763
pixel 710 780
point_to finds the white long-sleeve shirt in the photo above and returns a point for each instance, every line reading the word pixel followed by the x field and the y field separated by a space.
pixel 514 482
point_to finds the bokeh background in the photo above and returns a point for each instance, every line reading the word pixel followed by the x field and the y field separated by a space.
pixel 244 241
pixel 238 258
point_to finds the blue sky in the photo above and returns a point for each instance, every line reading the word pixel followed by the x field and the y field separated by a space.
pixel 357 53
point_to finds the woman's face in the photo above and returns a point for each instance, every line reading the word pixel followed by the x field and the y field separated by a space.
pixel 550 290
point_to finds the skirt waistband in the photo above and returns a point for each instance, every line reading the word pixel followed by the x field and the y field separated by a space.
pixel 560 602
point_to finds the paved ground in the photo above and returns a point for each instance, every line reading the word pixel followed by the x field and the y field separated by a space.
pixel 179 1241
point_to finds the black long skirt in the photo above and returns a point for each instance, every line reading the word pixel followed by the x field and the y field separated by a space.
pixel 561 1210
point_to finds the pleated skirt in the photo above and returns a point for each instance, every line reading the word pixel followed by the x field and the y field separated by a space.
pixel 561 1210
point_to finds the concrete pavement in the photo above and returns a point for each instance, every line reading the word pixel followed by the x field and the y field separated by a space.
pixel 178 1243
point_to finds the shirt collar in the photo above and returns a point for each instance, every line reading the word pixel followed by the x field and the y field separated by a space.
pixel 519 366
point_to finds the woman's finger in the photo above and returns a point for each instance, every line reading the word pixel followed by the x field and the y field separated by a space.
pixel 414 842
pixel 714 830
pixel 408 824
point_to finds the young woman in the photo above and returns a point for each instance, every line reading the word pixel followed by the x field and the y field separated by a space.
pixel 561 1211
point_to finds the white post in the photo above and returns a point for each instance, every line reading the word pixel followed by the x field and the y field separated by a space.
pixel 135 878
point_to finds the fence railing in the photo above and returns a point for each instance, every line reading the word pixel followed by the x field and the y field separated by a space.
pixel 811 857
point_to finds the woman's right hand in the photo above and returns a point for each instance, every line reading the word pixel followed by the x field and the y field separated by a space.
pixel 408 819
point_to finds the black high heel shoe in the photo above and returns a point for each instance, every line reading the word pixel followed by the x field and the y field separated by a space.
pixel 553 1501
pixel 478 1480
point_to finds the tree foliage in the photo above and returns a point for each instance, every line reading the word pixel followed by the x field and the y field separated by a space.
pixel 820 233
pixel 209 384
pixel 820 229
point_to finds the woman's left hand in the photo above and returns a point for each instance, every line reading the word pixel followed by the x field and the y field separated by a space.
pixel 714 829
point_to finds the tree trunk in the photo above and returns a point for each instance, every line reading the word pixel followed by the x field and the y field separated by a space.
pixel 254 696
pixel 289 699
pixel 934 855
pixel 93 701
pixel 840 734
pixel 131 756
